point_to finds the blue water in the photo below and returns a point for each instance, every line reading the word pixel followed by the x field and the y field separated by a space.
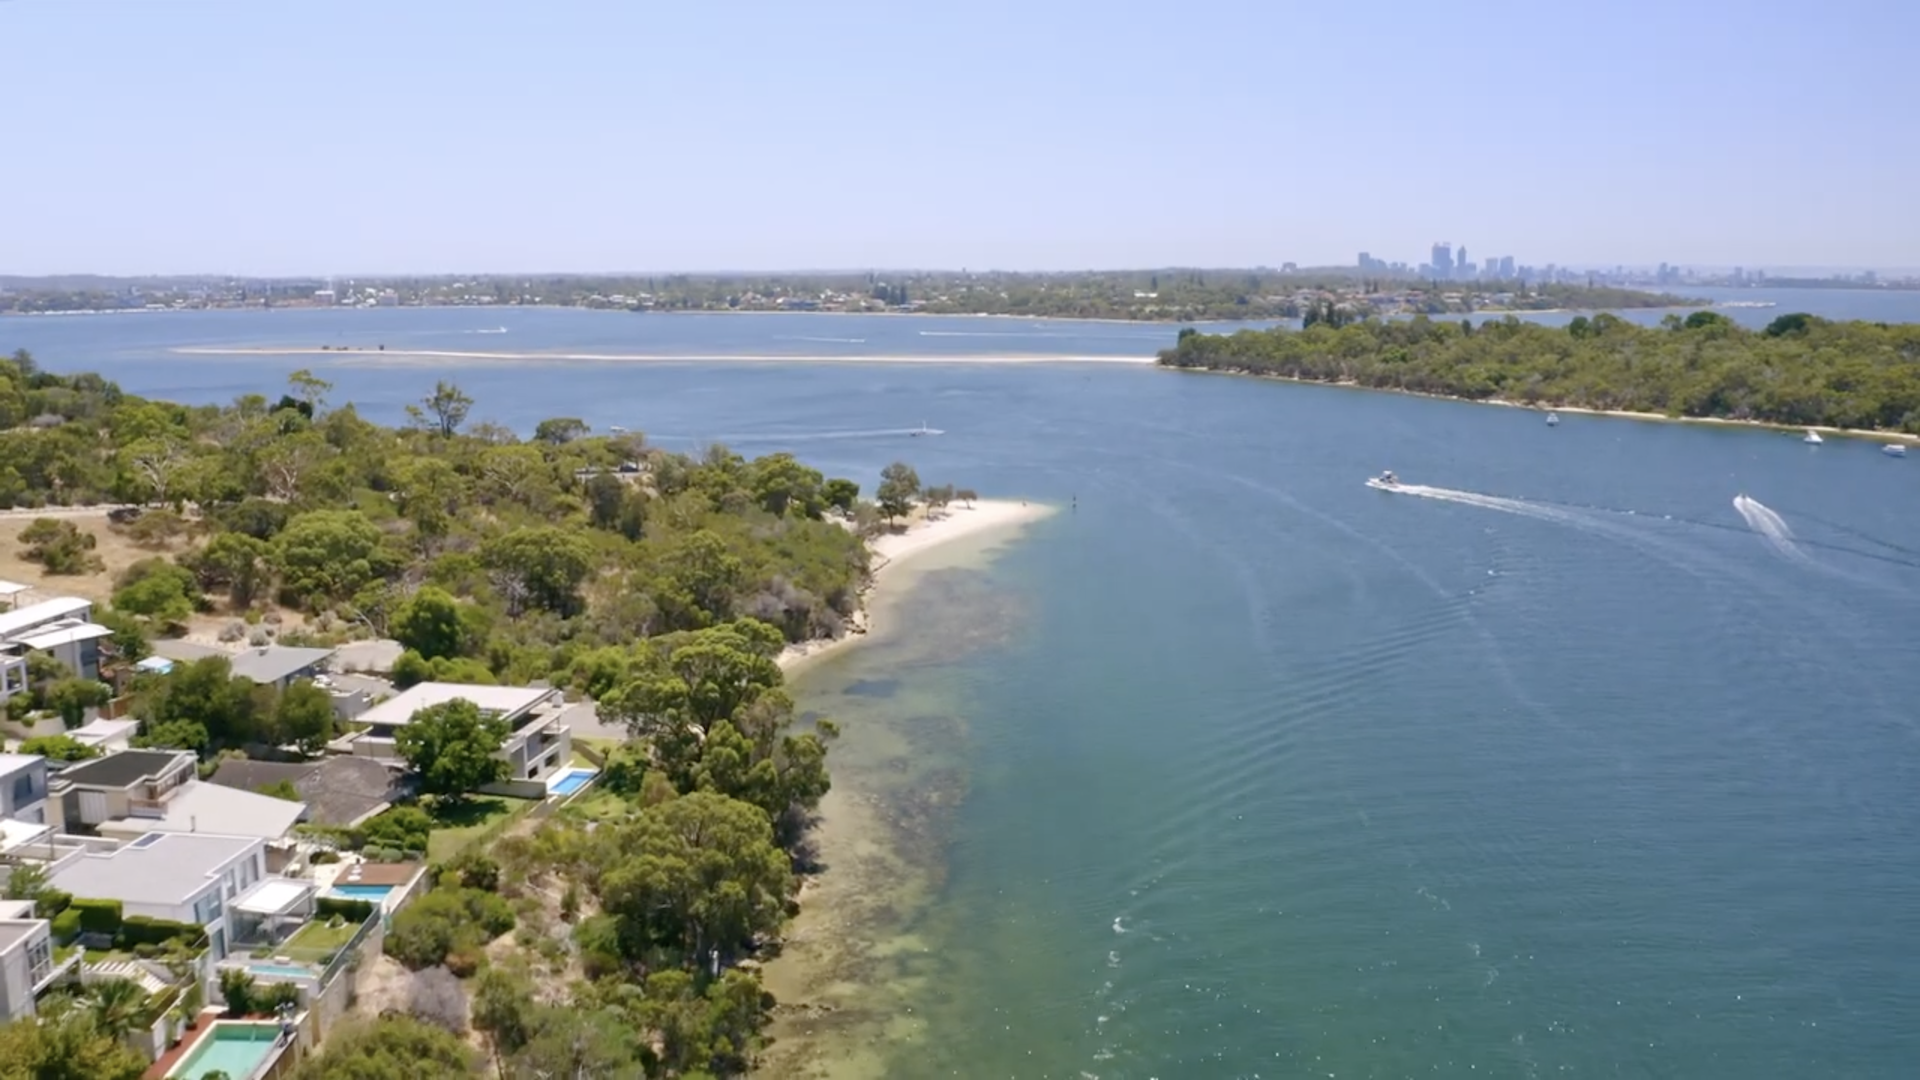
pixel 375 893
pixel 573 780
pixel 286 971
pixel 236 1049
pixel 1238 768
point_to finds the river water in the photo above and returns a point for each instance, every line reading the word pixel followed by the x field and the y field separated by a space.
pixel 1560 764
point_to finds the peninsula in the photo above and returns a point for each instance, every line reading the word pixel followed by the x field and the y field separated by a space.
pixel 1800 370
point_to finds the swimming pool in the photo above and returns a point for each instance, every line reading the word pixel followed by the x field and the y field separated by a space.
pixel 571 781
pixel 233 1047
pixel 283 971
pixel 375 893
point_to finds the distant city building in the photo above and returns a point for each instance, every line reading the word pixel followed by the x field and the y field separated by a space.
pixel 1442 263
pixel 1463 267
pixel 1506 266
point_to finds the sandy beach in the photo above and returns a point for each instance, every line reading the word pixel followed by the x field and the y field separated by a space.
pixel 921 534
pixel 426 357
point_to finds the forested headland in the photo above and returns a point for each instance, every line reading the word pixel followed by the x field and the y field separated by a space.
pixel 615 938
pixel 1800 370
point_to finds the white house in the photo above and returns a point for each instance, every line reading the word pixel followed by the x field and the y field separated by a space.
pixel 23 788
pixel 26 958
pixel 186 877
pixel 62 627
pixel 141 791
pixel 537 745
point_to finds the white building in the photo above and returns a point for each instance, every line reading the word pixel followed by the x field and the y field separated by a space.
pixel 185 877
pixel 141 791
pixel 62 628
pixel 23 788
pixel 26 959
pixel 537 745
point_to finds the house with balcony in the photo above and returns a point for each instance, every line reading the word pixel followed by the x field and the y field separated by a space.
pixel 135 792
pixel 27 965
pixel 23 788
pixel 538 743
pixel 62 628
pixel 215 881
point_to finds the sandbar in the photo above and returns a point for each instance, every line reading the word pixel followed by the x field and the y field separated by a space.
pixel 922 534
pixel 443 356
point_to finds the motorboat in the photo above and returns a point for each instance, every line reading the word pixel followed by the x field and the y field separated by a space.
pixel 1894 449
pixel 924 430
pixel 1386 481
pixel 1813 438
pixel 1553 419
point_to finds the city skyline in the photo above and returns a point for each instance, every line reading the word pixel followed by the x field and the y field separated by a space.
pixel 595 136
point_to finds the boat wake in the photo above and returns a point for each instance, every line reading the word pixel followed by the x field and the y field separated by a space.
pixel 1772 526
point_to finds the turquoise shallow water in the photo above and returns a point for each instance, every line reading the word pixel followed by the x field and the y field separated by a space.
pixel 234 1049
pixel 1240 769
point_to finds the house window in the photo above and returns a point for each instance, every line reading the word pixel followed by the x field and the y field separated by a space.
pixel 39 959
pixel 207 908
pixel 24 790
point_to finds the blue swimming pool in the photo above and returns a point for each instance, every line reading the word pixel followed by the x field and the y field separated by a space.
pixel 375 893
pixel 284 971
pixel 571 781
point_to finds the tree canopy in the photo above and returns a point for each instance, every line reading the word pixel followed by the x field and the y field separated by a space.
pixel 451 746
pixel 1800 370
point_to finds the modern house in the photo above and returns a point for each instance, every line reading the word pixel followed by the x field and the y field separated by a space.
pixel 62 628
pixel 136 792
pixel 343 790
pixel 106 736
pixel 280 666
pixel 26 959
pixel 186 877
pixel 23 788
pixel 538 743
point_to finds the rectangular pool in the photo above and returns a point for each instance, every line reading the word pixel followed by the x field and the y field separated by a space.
pixel 236 1048
pixel 375 893
pixel 571 781
pixel 283 971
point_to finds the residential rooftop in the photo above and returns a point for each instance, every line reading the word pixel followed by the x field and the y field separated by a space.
pixel 122 769
pixel 200 807
pixel 158 868
pixel 341 790
pixel 14 762
pixel 34 615
pixel 271 663
pixel 496 700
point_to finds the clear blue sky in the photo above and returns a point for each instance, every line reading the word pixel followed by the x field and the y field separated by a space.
pixel 265 137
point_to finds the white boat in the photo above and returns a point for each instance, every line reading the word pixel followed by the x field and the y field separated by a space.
pixel 1813 438
pixel 925 430
pixel 1894 449
pixel 1553 419
pixel 1386 481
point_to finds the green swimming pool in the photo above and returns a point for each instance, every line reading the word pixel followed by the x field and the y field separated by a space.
pixel 237 1048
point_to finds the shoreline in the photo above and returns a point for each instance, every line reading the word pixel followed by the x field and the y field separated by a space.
pixel 1865 434
pixel 918 537
pixel 430 355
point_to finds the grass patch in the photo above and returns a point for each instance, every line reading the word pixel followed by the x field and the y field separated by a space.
pixel 316 942
pixel 475 818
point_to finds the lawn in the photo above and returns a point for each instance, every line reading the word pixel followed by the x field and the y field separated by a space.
pixel 477 817
pixel 317 941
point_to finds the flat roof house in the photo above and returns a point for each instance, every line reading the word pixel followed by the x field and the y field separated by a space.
pixel 538 743
pixel 23 788
pixel 279 666
pixel 141 791
pixel 26 959
pixel 185 877
pixel 61 627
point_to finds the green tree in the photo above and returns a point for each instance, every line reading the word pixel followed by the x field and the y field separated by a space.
pixel 118 1006
pixel 326 556
pixel 841 494
pixel 695 873
pixel 453 748
pixel 780 484
pixel 899 484
pixel 503 1010
pixel 65 1044
pixel 446 408
pixel 560 430
pixel 432 493
pixel 432 623
pixel 59 546
pixel 158 590
pixel 539 566
pixel 71 698
pixel 309 389
pixel 59 748
pixel 390 1048
pixel 304 717
pixel 26 880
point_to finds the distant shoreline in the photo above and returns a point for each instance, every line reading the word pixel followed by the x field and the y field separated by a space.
pixel 428 356
pixel 1867 434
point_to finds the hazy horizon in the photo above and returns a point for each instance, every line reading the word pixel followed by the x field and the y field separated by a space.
pixel 365 140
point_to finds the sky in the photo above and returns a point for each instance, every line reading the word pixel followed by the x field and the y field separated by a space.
pixel 371 137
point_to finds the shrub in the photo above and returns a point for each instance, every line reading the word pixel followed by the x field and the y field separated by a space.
pixel 60 546
pixel 98 916
pixel 349 909
pixel 445 922
pixel 66 925
pixel 138 930
pixel 404 827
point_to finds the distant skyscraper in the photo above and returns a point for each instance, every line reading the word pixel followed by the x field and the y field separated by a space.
pixel 1492 269
pixel 1442 260
pixel 1506 267
pixel 1462 265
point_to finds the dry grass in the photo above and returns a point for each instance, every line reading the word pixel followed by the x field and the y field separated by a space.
pixel 114 549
